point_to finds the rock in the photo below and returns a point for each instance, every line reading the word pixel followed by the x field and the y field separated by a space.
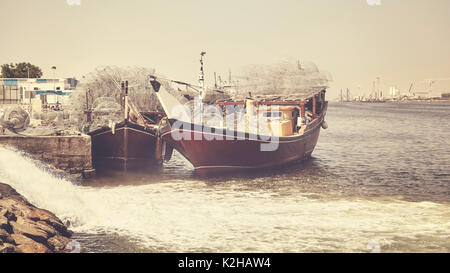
pixel 3 220
pixel 58 226
pixel 7 248
pixel 58 243
pixel 75 170
pixel 47 228
pixel 3 234
pixel 25 228
pixel 39 215
pixel 14 207
pixel 27 245
pixel 89 173
pixel 75 177
pixel 6 191
pixel 5 237
pixel 11 216
pixel 34 230
pixel 4 224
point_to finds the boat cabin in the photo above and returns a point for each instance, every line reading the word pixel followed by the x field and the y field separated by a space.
pixel 280 117
pixel 281 121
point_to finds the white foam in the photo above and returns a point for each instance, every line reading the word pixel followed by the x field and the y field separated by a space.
pixel 190 216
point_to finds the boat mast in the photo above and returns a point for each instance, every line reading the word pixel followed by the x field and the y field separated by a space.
pixel 379 94
pixel 215 80
pixel 122 97
pixel 201 79
pixel 126 101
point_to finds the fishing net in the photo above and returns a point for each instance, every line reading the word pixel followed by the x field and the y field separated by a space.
pixel 288 80
pixel 105 110
pixel 100 90
pixel 15 118
pixel 100 93
pixel 106 82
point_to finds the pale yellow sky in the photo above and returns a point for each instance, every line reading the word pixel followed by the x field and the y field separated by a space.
pixel 400 41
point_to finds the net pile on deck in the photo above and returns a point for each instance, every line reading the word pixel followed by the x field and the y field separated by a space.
pixel 105 111
pixel 105 82
pixel 285 81
pixel 288 97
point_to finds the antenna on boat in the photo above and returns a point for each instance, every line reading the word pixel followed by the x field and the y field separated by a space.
pixel 126 100
pixel 201 79
pixel 122 96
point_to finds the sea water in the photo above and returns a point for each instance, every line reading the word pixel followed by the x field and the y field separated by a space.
pixel 378 180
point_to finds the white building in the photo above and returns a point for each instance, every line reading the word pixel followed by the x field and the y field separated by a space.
pixel 394 92
pixel 35 91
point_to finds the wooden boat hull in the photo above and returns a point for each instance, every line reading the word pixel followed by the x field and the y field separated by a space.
pixel 211 157
pixel 128 146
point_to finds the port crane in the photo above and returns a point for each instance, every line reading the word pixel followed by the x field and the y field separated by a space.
pixel 433 81
pixel 429 82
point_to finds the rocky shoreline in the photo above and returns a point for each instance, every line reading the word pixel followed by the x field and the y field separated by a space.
pixel 25 228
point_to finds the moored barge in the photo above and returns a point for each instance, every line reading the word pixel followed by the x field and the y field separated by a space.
pixel 131 144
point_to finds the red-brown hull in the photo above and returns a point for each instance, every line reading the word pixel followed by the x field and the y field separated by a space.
pixel 210 157
pixel 130 147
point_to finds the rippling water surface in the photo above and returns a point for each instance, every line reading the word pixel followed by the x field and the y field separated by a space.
pixel 379 176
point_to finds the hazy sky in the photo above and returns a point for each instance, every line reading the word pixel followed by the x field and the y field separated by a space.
pixel 400 41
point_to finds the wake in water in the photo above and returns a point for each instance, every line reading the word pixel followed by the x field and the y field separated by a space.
pixel 192 216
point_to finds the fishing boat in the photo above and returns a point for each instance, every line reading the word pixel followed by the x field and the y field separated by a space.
pixel 286 130
pixel 131 144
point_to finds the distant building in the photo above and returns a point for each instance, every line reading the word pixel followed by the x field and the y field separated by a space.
pixel 445 96
pixel 394 92
pixel 35 91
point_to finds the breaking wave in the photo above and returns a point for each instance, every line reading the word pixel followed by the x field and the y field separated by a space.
pixel 180 215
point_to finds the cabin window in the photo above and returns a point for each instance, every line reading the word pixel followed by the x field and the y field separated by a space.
pixel 275 114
